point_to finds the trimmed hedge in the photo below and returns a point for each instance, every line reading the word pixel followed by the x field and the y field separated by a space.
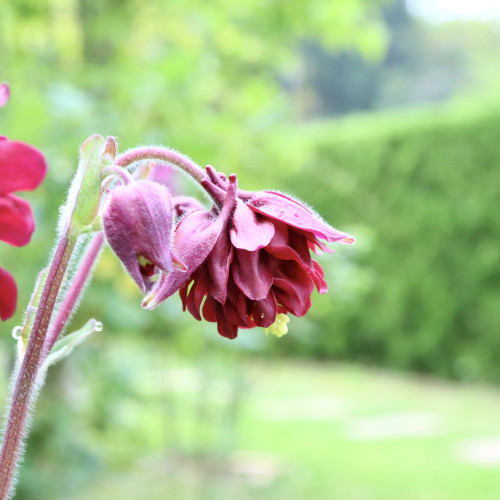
pixel 421 289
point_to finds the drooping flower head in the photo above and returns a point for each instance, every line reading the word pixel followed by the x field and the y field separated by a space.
pixel 248 260
pixel 22 168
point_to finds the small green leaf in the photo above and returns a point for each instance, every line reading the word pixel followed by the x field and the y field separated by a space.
pixel 64 346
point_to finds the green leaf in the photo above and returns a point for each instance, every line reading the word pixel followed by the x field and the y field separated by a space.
pixel 64 346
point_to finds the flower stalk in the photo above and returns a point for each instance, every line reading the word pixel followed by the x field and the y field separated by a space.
pixel 26 375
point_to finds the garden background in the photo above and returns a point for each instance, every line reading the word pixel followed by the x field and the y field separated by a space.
pixel 388 124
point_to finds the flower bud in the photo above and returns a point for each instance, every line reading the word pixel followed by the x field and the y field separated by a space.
pixel 138 222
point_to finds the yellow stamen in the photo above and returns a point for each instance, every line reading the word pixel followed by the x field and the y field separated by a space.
pixel 143 261
pixel 279 327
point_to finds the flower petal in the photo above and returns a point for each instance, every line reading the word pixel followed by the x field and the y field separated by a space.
pixel 8 294
pixel 195 237
pixel 251 274
pixel 292 286
pixel 249 232
pixel 281 207
pixel 264 312
pixel 4 94
pixel 218 262
pixel 16 220
pixel 197 292
pixel 22 167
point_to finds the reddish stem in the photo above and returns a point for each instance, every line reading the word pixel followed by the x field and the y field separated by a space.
pixel 74 291
pixel 162 154
pixel 26 384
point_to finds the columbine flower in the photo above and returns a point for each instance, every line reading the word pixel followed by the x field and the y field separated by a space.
pixel 249 265
pixel 22 168
pixel 138 222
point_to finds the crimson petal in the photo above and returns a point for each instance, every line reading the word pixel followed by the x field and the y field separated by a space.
pixel 251 274
pixel 16 220
pixel 22 167
pixel 8 294
pixel 196 294
pixel 195 237
pixel 249 232
pixel 285 209
pixel 218 263
pixel 264 312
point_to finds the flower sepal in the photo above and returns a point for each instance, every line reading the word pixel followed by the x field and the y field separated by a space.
pixel 84 196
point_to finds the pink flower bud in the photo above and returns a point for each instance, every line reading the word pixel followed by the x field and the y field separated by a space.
pixel 138 223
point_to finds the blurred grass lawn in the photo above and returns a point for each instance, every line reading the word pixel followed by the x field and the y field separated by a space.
pixel 323 431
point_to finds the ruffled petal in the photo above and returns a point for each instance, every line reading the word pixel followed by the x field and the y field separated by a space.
pixel 218 263
pixel 16 220
pixel 22 167
pixel 239 299
pixel 209 308
pixel 285 209
pixel 224 326
pixel 264 312
pixel 196 293
pixel 292 286
pixel 251 274
pixel 317 277
pixel 194 239
pixel 249 232
pixel 8 294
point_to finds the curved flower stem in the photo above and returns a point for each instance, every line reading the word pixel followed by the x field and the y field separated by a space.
pixel 121 173
pixel 25 387
pixel 161 154
pixel 74 291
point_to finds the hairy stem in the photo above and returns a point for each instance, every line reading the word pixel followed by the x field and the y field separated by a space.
pixel 164 155
pixel 74 291
pixel 25 387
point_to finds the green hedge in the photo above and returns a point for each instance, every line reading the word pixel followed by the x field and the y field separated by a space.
pixel 421 289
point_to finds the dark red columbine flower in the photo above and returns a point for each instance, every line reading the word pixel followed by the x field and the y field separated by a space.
pixel 250 263
pixel 22 168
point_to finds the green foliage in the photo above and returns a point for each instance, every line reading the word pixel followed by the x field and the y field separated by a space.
pixel 420 289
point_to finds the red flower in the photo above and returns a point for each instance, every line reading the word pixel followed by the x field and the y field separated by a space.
pixel 250 264
pixel 22 168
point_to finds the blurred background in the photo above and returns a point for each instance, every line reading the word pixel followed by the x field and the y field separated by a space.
pixel 384 116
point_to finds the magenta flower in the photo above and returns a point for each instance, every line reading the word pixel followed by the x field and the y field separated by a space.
pixel 22 168
pixel 250 264
pixel 4 94
pixel 138 223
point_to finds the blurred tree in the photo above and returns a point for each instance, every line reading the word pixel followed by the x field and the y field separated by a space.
pixel 423 63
